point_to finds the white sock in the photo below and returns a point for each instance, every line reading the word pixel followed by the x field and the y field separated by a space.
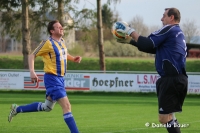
pixel 173 116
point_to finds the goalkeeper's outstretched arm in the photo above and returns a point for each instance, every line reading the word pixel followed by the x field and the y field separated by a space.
pixel 143 44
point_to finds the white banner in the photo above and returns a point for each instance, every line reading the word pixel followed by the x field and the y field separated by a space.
pixel 73 81
pixel 94 81
pixel 11 80
pixel 194 84
pixel 112 82
pixel 124 82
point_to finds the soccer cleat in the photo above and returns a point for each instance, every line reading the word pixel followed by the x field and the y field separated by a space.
pixel 13 112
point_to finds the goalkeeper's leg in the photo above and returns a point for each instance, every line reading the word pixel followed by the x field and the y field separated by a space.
pixel 170 123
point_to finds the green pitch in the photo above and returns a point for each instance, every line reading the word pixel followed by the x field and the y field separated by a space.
pixel 96 113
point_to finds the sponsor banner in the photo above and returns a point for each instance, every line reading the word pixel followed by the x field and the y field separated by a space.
pixel 124 82
pixel 94 82
pixel 11 80
pixel 34 86
pixel 73 81
pixel 113 82
pixel 146 82
pixel 77 81
pixel 194 84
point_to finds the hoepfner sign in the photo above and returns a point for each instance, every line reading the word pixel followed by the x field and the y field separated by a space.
pixel 110 82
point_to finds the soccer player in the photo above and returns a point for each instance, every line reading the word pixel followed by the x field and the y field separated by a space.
pixel 169 46
pixel 55 56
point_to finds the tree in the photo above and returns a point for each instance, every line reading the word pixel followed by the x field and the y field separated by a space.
pixel 138 24
pixel 10 18
pixel 13 16
pixel 190 30
pixel 61 11
pixel 10 12
pixel 100 37
pixel 39 20
pixel 25 33
pixel 100 34
pixel 107 17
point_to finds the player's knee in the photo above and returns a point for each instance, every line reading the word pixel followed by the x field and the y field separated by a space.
pixel 163 119
pixel 47 109
pixel 67 108
pixel 48 105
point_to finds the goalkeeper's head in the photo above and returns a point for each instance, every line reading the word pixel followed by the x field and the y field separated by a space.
pixel 171 16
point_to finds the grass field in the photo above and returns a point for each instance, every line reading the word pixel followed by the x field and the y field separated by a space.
pixel 95 113
pixel 112 64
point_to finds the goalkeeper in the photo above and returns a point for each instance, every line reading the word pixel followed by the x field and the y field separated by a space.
pixel 168 45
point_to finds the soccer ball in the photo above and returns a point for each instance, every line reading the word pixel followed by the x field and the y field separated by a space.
pixel 118 35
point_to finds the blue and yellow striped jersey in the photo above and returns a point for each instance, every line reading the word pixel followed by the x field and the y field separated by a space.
pixel 54 56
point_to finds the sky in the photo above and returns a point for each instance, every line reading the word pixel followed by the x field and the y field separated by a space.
pixel 151 10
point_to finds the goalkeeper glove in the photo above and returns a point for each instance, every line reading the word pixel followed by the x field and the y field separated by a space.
pixel 123 27
pixel 126 41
